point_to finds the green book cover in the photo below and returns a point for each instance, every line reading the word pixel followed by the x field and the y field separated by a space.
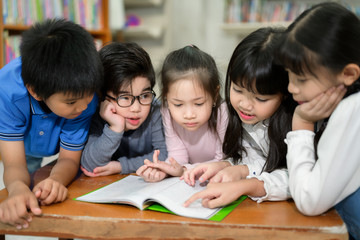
pixel 220 215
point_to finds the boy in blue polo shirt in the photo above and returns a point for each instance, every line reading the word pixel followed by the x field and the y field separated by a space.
pixel 46 103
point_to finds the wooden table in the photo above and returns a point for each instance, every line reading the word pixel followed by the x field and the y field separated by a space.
pixel 250 220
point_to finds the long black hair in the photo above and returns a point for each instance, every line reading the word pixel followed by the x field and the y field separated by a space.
pixel 326 35
pixel 252 66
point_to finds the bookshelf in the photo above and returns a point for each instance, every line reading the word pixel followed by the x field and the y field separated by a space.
pixel 152 30
pixel 150 14
pixel 242 17
pixel 92 15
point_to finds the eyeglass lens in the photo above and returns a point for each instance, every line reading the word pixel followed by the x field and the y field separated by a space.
pixel 126 100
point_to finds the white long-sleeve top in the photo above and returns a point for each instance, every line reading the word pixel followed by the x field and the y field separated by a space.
pixel 318 185
pixel 256 142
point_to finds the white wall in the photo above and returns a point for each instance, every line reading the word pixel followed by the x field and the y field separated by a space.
pixel 199 22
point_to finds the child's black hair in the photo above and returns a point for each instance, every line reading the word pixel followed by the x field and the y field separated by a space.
pixel 59 56
pixel 326 35
pixel 192 60
pixel 122 63
pixel 252 66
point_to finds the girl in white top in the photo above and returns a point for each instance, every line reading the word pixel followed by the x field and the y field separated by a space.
pixel 194 117
pixel 260 113
pixel 322 54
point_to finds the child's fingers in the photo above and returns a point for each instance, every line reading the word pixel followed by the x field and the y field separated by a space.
pixel 155 156
pixel 141 170
pixel 87 173
pixel 19 216
pixel 50 196
pixel 217 178
pixel 62 195
pixel 196 196
pixel 147 162
pixel 192 176
pixel 173 162
pixel 205 176
pixel 34 207
pixel 212 203
pixel 185 177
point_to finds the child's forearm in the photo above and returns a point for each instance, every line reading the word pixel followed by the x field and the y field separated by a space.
pixel 16 178
pixel 252 187
pixel 64 170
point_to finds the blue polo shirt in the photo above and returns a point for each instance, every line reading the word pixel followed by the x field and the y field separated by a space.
pixel 23 119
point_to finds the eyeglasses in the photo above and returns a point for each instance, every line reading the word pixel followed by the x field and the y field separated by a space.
pixel 126 100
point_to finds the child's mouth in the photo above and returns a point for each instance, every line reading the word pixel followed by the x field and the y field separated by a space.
pixel 246 116
pixel 134 121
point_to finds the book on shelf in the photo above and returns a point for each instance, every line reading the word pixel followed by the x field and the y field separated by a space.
pixel 87 13
pixel 167 195
pixel 248 11
pixel 11 46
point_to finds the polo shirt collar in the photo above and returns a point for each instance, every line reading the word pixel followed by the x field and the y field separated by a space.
pixel 36 108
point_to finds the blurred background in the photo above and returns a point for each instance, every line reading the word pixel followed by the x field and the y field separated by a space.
pixel 159 26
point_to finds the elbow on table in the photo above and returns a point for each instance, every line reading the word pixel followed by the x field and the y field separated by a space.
pixel 309 209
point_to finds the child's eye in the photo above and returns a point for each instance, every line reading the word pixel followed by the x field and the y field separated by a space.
pixel 261 99
pixel 301 80
pixel 199 104
pixel 71 103
pixel 124 97
pixel 177 105
pixel 237 90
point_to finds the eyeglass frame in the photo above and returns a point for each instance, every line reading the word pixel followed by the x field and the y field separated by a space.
pixel 133 98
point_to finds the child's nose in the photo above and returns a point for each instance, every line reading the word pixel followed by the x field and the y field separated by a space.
pixel 292 88
pixel 189 113
pixel 135 107
pixel 246 104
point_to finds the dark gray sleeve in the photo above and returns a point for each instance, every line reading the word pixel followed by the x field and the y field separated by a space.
pixel 155 128
pixel 101 145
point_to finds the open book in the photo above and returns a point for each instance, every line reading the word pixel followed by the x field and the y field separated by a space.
pixel 170 193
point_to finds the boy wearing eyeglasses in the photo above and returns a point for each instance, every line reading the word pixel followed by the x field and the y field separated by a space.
pixel 128 127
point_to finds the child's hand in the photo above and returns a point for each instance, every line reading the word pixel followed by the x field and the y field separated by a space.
pixel 203 172
pixel 319 108
pixel 216 195
pixel 14 209
pixel 158 170
pixel 230 174
pixel 108 113
pixel 173 168
pixel 150 174
pixel 113 167
pixel 50 191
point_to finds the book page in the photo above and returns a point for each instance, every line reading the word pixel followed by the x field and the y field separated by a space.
pixel 174 197
pixel 170 192
pixel 129 190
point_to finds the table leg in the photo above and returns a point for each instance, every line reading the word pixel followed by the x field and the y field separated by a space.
pixel 2 237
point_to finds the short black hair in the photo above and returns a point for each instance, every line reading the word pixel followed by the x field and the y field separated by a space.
pixel 59 56
pixel 122 63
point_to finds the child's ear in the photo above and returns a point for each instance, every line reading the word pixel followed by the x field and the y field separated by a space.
pixel 33 94
pixel 350 74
